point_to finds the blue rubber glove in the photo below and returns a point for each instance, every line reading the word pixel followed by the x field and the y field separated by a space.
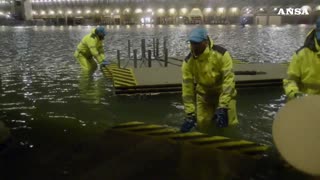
pixel 189 123
pixel 221 117
pixel 105 62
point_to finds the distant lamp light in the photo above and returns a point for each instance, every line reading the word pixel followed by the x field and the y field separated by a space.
pixel 306 7
pixel 184 10
pixel 138 11
pixel 220 10
pixel 161 11
pixel 234 9
pixel 172 11
pixel 79 11
pixel 207 10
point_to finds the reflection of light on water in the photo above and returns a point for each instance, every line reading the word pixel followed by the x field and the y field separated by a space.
pixel 12 104
pixel 220 26
pixel 58 102
pixel 82 123
pixel 24 114
pixel 18 121
pixel 26 144
pixel 302 25
pixel 178 105
pixel 17 127
pixel 17 108
pixel 62 117
pixel 22 27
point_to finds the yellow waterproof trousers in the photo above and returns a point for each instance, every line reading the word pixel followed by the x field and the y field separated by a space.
pixel 86 63
pixel 206 107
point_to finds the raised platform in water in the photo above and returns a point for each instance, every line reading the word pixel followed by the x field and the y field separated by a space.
pixel 161 79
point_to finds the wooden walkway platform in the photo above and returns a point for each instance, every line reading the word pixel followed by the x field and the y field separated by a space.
pixel 161 79
pixel 146 151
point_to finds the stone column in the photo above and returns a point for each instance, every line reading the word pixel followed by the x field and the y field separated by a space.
pixel 65 19
pixel 22 10
pixel 27 10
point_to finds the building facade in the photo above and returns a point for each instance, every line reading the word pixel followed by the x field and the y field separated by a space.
pixel 73 12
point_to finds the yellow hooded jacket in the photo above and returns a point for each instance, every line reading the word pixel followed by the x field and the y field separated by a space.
pixel 90 46
pixel 304 69
pixel 209 74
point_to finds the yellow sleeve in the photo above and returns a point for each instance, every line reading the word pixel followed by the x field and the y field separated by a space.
pixel 228 84
pixel 92 44
pixel 290 83
pixel 188 94
pixel 101 50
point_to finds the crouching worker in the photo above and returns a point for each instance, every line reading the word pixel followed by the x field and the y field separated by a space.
pixel 303 75
pixel 208 87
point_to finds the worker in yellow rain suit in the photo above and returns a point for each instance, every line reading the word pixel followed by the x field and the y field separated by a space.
pixel 304 69
pixel 90 50
pixel 208 87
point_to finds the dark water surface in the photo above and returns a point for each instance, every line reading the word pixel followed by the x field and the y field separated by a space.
pixel 56 114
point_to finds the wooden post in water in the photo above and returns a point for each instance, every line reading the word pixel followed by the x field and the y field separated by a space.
pixel 164 45
pixel 165 57
pixel 135 58
pixel 149 58
pixel 129 49
pixel 154 46
pixel 157 47
pixel 66 20
pixel 118 58
pixel 143 48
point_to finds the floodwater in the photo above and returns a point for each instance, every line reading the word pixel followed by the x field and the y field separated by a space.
pixel 55 111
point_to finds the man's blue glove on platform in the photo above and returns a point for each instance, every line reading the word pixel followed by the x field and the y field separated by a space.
pixel 189 123
pixel 221 117
pixel 105 62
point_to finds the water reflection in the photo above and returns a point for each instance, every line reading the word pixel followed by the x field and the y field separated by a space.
pixel 91 86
